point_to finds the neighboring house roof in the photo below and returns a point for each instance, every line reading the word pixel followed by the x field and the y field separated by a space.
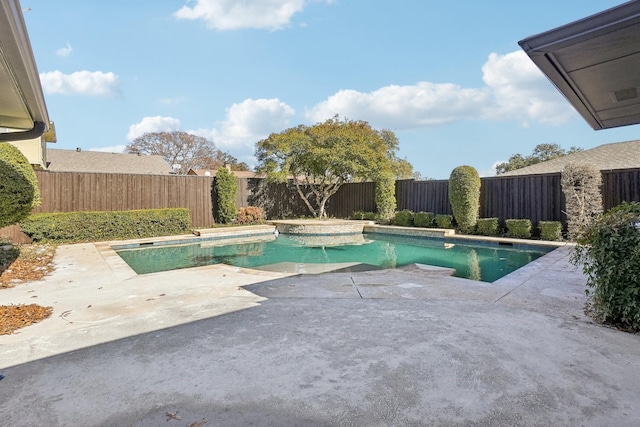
pixel 619 155
pixel 22 104
pixel 96 161
pixel 213 172
pixel 594 63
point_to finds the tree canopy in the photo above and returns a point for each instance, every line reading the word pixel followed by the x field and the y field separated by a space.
pixel 184 149
pixel 541 153
pixel 319 159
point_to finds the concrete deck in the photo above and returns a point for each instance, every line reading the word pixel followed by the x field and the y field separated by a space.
pixel 244 347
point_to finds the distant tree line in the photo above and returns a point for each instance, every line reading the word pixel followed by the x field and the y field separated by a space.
pixel 541 153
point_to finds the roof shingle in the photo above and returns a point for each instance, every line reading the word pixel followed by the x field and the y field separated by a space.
pixel 100 162
pixel 619 155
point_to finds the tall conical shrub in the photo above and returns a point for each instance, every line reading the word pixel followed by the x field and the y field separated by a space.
pixel 226 190
pixel 464 196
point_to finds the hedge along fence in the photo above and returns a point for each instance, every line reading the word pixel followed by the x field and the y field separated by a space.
pixel 111 225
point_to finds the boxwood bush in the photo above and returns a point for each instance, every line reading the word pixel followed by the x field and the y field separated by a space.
pixel 98 226
pixel 368 216
pixel 19 192
pixel 488 227
pixel 444 221
pixel 403 218
pixel 519 228
pixel 550 230
pixel 424 219
pixel 609 251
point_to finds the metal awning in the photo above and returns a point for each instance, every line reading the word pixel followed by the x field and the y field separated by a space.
pixel 22 104
pixel 595 63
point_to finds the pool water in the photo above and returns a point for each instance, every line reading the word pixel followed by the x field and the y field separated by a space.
pixel 484 262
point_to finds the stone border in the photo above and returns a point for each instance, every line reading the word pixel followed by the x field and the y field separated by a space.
pixel 320 227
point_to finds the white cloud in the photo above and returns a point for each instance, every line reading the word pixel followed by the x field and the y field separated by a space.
pixel 521 91
pixel 64 51
pixel 247 123
pixel 87 83
pixel 110 149
pixel 233 14
pixel 514 89
pixel 422 105
pixel 153 124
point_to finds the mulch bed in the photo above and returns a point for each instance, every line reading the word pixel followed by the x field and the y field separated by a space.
pixel 21 264
pixel 14 317
pixel 25 263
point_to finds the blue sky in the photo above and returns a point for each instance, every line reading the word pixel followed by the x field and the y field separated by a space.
pixel 448 77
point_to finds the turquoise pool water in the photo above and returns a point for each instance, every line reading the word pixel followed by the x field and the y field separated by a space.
pixel 484 262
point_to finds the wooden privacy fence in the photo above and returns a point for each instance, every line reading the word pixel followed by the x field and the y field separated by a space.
pixel 281 200
pixel 71 191
pixel 622 185
pixel 535 197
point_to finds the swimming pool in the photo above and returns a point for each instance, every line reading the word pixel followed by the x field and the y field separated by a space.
pixel 484 261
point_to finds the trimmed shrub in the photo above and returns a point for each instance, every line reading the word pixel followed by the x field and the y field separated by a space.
pixel 403 218
pixel 368 216
pixel 19 192
pixel 444 221
pixel 424 219
pixel 488 226
pixel 609 251
pixel 550 230
pixel 357 215
pixel 250 215
pixel 385 192
pixel 464 196
pixel 226 190
pixel 519 228
pixel 581 188
pixel 98 226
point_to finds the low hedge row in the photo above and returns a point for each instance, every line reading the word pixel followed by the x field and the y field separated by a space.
pixel 516 228
pixel 68 227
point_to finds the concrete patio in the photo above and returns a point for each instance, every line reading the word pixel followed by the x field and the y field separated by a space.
pixel 243 347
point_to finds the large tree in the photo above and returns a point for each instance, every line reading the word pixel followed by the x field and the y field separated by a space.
pixel 319 159
pixel 183 149
pixel 541 153
pixel 227 159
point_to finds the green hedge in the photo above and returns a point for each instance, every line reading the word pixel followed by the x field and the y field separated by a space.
pixel 424 219
pixel 403 218
pixel 550 230
pixel 19 192
pixel 98 226
pixel 444 221
pixel 225 188
pixel 464 196
pixel 385 192
pixel 368 216
pixel 519 228
pixel 488 226
pixel 608 252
